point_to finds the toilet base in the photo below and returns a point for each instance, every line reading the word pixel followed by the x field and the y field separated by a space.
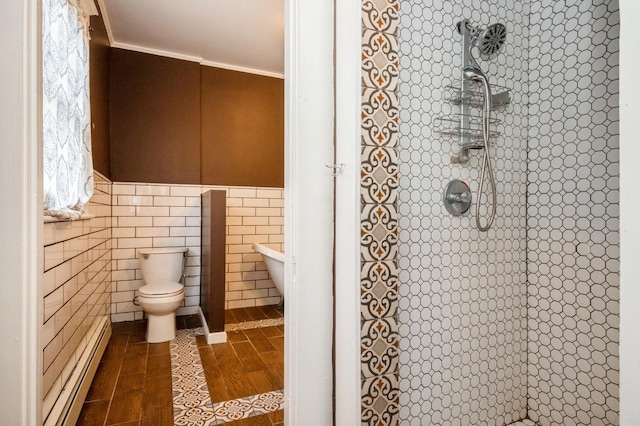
pixel 161 328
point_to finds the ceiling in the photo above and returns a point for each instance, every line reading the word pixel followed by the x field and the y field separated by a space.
pixel 245 35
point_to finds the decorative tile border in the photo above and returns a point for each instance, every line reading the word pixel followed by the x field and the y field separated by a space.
pixel 241 408
pixel 380 397
pixel 379 175
pixel 247 325
pixel 379 214
pixel 379 117
pixel 380 15
pixel 379 60
pixel 379 347
pixel 379 290
pixel 191 399
pixel 378 232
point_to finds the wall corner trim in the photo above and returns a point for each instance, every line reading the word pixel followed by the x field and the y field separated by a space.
pixel 212 338
pixel 105 19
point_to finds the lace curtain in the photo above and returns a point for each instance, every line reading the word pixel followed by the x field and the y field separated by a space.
pixel 67 163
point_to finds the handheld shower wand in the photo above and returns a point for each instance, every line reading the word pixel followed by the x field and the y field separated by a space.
pixel 488 41
pixel 476 74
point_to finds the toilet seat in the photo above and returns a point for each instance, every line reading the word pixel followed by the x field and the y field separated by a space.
pixel 161 289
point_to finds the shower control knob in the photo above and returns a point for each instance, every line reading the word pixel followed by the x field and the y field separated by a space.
pixel 457 197
pixel 461 197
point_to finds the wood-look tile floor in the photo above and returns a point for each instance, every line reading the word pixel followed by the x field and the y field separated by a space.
pixel 132 385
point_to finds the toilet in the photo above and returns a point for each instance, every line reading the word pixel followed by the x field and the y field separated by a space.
pixel 162 293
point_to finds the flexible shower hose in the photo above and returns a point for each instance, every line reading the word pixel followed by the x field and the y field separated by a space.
pixel 486 161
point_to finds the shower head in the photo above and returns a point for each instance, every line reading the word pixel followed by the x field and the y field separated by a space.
pixel 491 39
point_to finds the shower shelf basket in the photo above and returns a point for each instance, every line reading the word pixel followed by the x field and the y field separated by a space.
pixel 451 125
pixel 474 95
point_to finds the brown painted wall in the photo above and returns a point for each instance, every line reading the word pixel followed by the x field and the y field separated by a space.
pixel 175 121
pixel 99 55
pixel 155 118
pixel 242 129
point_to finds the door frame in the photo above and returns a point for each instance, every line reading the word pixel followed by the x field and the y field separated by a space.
pixel 322 115
pixel 308 226
pixel 20 212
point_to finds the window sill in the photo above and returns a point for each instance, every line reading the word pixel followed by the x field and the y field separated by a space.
pixel 51 219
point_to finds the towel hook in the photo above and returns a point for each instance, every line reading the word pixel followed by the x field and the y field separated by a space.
pixel 336 168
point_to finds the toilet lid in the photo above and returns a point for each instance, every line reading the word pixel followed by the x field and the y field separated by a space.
pixel 165 288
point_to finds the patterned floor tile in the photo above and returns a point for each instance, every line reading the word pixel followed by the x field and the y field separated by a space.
pixel 250 406
pixel 246 325
pixel 191 400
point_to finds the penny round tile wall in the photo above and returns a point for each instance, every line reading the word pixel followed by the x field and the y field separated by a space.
pixel 573 219
pixel 525 315
pixel 462 292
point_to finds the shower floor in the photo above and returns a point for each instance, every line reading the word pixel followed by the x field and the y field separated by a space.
pixel 239 382
pixel 525 422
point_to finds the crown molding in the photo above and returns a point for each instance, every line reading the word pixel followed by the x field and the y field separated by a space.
pixel 157 52
pixel 242 69
pixel 190 58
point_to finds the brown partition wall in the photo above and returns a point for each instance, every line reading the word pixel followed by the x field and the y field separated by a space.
pixel 212 276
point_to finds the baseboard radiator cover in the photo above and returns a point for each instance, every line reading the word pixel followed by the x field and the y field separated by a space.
pixel 68 405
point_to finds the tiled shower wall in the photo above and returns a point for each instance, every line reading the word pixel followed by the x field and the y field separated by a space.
pixel 573 215
pixel 76 288
pixel 157 215
pixel 462 293
pixel 461 306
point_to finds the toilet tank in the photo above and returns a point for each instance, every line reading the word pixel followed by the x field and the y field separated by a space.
pixel 162 264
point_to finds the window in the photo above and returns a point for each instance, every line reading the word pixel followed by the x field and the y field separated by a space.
pixel 67 163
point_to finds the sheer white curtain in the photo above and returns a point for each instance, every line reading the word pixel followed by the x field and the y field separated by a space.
pixel 67 163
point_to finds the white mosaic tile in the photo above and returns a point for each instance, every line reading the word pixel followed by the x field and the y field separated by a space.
pixel 465 352
pixel 573 219
pixel 462 293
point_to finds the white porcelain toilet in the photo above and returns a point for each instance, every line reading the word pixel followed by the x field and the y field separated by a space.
pixel 162 293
